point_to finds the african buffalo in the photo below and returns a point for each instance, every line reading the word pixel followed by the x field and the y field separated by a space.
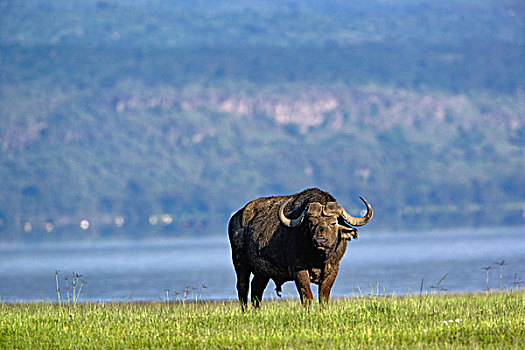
pixel 300 238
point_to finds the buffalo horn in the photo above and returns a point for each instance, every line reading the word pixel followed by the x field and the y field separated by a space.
pixel 358 221
pixel 285 220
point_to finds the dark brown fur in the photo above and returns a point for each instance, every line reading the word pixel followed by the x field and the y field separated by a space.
pixel 263 246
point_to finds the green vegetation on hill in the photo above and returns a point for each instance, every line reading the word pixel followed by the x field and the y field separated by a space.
pixel 116 109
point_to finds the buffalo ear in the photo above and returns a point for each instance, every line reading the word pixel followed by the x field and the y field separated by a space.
pixel 348 233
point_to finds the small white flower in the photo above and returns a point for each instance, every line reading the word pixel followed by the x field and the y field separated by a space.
pixel 458 320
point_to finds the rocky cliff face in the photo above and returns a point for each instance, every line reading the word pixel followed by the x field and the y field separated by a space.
pixel 333 106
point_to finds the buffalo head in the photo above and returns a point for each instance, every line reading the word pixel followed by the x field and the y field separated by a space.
pixel 327 222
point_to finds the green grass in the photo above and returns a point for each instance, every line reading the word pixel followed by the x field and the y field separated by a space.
pixel 483 321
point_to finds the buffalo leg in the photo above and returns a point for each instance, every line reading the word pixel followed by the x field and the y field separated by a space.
pixel 243 280
pixel 326 285
pixel 258 285
pixel 302 282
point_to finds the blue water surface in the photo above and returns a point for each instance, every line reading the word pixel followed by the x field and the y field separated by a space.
pixel 201 269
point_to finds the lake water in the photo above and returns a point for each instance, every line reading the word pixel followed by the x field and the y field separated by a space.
pixel 202 268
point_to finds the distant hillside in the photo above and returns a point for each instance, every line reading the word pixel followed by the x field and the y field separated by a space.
pixel 209 23
pixel 160 122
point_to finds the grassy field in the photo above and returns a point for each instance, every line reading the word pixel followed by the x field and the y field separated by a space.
pixel 487 321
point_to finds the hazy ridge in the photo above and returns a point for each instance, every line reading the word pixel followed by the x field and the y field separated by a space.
pixel 138 109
